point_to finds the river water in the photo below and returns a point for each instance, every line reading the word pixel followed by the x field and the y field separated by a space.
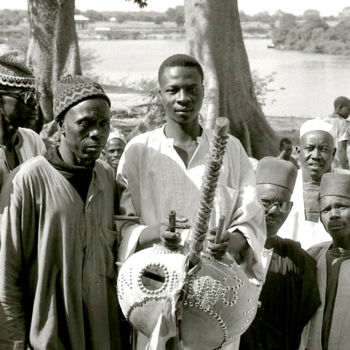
pixel 304 85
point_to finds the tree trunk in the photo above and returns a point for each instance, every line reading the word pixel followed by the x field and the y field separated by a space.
pixel 214 37
pixel 53 46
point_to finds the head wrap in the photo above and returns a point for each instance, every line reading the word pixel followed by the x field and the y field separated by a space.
pixel 276 171
pixel 14 72
pixel 72 89
pixel 335 185
pixel 316 125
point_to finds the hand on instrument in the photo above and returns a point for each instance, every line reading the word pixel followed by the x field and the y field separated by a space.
pixel 217 249
pixel 170 238
pixel 153 233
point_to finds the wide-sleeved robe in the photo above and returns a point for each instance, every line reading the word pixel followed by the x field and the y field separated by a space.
pixel 57 271
pixel 158 181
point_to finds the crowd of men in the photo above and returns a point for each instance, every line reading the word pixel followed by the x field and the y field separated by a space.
pixel 288 228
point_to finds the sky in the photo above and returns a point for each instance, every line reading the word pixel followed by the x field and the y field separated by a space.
pixel 250 7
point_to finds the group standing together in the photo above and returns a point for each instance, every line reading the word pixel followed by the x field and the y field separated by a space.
pixel 60 244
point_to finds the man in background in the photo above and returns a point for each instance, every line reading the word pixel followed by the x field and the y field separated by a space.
pixel 18 107
pixel 340 131
pixel 113 149
pixel 316 154
pixel 286 149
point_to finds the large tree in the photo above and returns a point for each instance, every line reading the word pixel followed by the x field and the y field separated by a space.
pixel 53 46
pixel 214 37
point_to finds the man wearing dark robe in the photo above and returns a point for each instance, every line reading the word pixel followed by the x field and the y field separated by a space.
pixel 289 296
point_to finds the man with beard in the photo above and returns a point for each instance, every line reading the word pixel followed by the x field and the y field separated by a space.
pixel 289 296
pixel 18 106
pixel 316 154
pixel 329 328
pixel 163 171
pixel 57 257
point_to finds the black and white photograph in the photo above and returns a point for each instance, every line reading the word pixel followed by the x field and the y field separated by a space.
pixel 174 175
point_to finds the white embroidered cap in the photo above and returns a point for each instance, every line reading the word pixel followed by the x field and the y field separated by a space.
pixel 314 125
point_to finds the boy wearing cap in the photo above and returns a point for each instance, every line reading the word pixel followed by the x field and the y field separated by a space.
pixel 329 328
pixel 57 257
pixel 113 149
pixel 289 296
pixel 316 154
pixel 18 106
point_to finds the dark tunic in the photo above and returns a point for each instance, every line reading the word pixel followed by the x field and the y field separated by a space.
pixel 289 298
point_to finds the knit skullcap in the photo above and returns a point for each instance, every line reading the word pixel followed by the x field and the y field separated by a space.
pixel 72 89
pixel 14 72
pixel 276 171
pixel 333 184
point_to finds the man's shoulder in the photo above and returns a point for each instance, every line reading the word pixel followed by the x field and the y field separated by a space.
pixel 318 249
pixel 29 134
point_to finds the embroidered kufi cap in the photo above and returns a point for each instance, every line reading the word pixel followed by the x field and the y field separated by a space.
pixel 72 89
pixel 14 72
pixel 276 171
pixel 333 184
pixel 316 125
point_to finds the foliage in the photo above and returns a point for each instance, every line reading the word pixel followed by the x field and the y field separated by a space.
pixel 176 14
pixel 12 17
pixel 312 34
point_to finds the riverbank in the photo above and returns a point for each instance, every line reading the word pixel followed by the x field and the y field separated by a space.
pixel 128 106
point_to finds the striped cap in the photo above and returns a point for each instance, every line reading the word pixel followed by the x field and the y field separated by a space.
pixel 14 72
pixel 72 89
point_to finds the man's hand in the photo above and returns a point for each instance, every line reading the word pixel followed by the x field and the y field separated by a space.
pixel 170 240
pixel 218 249
pixel 159 233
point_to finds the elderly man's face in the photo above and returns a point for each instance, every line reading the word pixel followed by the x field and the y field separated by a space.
pixel 335 216
pixel 182 93
pixel 276 200
pixel 85 128
pixel 316 153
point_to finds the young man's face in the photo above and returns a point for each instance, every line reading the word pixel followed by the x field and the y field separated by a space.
pixel 113 151
pixel 85 128
pixel 182 93
pixel 276 201
pixel 335 216
pixel 316 153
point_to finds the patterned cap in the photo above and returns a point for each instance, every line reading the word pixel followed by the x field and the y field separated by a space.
pixel 72 89
pixel 14 72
